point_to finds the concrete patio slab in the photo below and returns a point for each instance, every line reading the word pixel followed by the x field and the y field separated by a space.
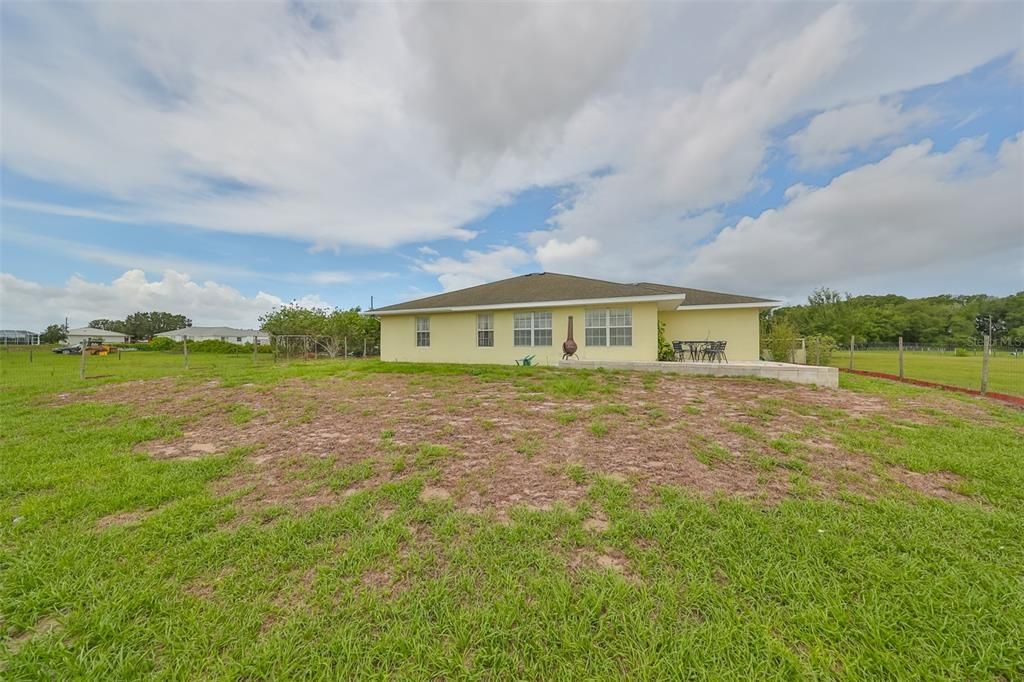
pixel 827 377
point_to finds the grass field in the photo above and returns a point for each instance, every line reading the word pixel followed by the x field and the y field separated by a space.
pixel 357 519
pixel 1006 373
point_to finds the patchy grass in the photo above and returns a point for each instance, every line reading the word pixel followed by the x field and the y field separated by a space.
pixel 709 453
pixel 119 562
pixel 598 428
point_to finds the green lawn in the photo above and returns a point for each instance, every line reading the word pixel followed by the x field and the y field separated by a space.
pixel 1006 373
pixel 117 565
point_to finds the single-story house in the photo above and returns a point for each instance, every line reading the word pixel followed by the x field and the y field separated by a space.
pixel 86 334
pixel 229 334
pixel 500 322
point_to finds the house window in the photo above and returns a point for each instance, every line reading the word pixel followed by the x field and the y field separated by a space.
pixel 423 332
pixel 485 330
pixel 609 327
pixel 531 329
pixel 239 339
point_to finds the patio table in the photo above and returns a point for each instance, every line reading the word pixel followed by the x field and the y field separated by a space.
pixel 694 347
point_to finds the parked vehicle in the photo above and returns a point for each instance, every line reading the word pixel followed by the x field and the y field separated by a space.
pixel 91 348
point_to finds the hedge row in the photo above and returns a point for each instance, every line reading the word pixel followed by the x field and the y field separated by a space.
pixel 162 343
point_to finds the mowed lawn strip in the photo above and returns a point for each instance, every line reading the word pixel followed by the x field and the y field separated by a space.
pixel 1005 375
pixel 116 565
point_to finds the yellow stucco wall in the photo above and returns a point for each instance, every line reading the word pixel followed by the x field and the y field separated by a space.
pixel 453 338
pixel 738 326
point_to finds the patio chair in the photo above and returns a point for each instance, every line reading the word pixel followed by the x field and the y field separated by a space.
pixel 715 351
pixel 677 348
pixel 526 362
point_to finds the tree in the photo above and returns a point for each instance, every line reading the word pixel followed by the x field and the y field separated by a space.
pixel 145 325
pixel 55 333
pixel 333 328
pixel 109 325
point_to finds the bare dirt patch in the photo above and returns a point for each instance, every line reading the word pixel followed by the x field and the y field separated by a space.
pixel 498 444
pixel 125 518
pixel 43 627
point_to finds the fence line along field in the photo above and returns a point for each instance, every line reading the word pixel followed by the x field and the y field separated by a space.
pixel 345 519
pixel 1006 369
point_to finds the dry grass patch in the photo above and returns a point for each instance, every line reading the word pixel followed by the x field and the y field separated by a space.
pixel 316 442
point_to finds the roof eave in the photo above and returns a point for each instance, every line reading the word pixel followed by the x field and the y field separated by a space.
pixel 654 298
pixel 718 306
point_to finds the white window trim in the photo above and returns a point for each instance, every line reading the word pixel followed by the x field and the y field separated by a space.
pixel 418 331
pixel 533 329
pixel 608 327
pixel 479 329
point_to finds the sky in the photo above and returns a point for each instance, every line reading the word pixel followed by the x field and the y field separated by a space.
pixel 220 159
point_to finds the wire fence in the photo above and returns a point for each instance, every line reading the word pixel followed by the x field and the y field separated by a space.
pixel 997 368
pixel 35 366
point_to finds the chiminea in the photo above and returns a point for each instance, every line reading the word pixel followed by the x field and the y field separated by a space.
pixel 569 347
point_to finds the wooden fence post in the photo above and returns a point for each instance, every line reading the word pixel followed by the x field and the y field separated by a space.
pixel 81 364
pixel 984 364
pixel 364 348
pixel 901 358
pixel 184 341
pixel 255 344
pixel 346 348
pixel 851 352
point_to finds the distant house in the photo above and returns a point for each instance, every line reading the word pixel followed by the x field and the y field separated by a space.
pixel 229 334
pixel 76 336
pixel 19 337
pixel 529 315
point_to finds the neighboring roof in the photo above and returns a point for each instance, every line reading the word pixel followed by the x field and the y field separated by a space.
pixel 550 287
pixel 90 331
pixel 21 332
pixel 212 331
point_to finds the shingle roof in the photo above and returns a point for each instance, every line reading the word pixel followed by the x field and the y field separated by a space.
pixel 212 331
pixel 81 331
pixel 551 287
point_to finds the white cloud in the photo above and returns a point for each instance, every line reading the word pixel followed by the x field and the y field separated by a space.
pixel 696 151
pixel 475 267
pixel 30 305
pixel 188 266
pixel 381 124
pixel 831 135
pixel 912 217
pixel 554 254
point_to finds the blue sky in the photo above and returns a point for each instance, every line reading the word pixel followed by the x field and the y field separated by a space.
pixel 332 153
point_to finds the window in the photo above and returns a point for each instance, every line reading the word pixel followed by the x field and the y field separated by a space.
pixel 609 327
pixel 531 329
pixel 423 332
pixel 485 330
pixel 239 339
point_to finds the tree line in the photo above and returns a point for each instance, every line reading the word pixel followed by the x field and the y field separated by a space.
pixel 139 325
pixel 946 320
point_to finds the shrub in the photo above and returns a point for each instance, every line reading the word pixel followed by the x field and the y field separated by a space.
pixel 665 351
pixel 159 343
pixel 819 349
pixel 781 342
pixel 960 353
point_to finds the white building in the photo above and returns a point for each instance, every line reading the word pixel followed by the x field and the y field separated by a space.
pixel 229 334
pixel 77 336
